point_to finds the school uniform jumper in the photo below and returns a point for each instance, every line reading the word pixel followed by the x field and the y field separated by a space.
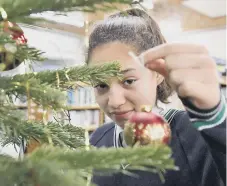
pixel 198 144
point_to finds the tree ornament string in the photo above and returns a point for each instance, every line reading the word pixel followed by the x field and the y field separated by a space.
pixel 3 13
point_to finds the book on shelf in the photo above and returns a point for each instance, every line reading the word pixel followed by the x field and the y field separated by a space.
pixel 82 96
pixel 83 118
pixel 84 111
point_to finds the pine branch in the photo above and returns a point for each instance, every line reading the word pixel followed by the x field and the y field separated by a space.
pixel 44 173
pixel 87 74
pixel 51 166
pixel 40 89
pixel 67 77
pixel 156 155
pixel 18 8
pixel 40 93
pixel 14 129
pixel 24 52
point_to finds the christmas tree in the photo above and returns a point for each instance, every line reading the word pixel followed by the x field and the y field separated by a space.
pixel 62 154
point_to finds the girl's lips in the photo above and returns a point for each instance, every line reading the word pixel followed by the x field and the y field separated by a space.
pixel 122 115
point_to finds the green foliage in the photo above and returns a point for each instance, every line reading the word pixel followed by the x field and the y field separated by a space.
pixel 53 166
pixel 45 87
pixel 18 8
pixel 14 129
pixel 68 160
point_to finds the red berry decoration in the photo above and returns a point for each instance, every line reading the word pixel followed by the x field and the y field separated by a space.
pixel 15 31
pixel 7 58
pixel 146 128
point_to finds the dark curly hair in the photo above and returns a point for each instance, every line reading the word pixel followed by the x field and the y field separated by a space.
pixel 133 27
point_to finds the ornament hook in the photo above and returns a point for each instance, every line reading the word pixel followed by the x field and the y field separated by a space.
pixel 3 13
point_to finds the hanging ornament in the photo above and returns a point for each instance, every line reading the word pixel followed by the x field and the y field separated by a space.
pixel 14 31
pixel 7 59
pixel 146 127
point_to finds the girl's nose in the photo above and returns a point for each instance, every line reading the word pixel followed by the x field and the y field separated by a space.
pixel 116 96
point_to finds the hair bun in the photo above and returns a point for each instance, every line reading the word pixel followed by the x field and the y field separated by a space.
pixel 136 12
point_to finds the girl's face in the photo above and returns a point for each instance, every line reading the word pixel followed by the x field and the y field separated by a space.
pixel 138 87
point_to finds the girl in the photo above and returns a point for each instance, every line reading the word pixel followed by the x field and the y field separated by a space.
pixel 198 134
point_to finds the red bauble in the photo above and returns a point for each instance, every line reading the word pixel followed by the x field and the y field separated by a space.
pixel 146 128
pixel 8 60
pixel 15 31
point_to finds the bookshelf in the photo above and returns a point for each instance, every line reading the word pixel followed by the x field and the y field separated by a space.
pixel 82 110
pixel 83 107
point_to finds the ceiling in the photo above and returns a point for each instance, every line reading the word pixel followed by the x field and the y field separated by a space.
pixel 75 18
pixel 210 8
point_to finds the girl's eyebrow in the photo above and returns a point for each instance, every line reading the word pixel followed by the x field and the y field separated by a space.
pixel 127 70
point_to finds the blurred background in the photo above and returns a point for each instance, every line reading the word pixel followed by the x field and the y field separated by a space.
pixel 195 21
pixel 64 39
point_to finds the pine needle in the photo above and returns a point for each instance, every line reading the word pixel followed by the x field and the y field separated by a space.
pixel 14 130
pixel 18 8
pixel 53 166
pixel 44 86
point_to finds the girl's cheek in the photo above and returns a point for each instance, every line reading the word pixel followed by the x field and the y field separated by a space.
pixel 134 97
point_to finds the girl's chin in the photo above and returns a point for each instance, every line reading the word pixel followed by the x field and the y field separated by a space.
pixel 122 120
pixel 121 123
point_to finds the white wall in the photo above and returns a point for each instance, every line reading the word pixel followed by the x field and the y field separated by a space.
pixel 213 39
pixel 64 46
pixel 61 48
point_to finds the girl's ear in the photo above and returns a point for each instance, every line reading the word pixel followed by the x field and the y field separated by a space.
pixel 160 78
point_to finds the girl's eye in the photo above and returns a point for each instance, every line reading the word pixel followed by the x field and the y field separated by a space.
pixel 129 82
pixel 101 87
